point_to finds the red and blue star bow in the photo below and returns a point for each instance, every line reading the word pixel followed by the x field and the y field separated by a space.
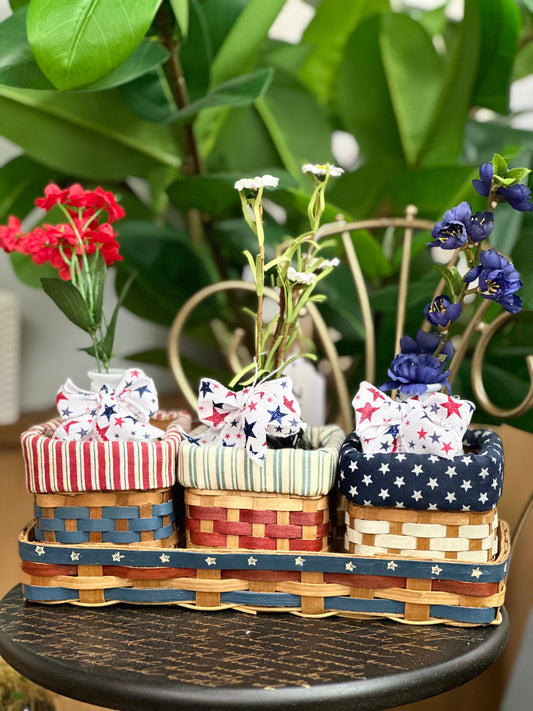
pixel 244 418
pixel 121 414
pixel 435 425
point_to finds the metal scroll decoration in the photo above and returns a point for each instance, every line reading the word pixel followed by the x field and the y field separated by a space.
pixel 409 224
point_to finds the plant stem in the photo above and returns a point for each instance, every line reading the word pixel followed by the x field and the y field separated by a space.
pixel 193 160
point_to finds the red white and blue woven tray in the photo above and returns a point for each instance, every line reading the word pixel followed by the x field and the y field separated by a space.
pixel 311 584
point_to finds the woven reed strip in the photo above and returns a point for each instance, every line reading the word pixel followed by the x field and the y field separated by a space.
pixel 447 518
pixel 436 597
pixel 103 498
pixel 255 501
pixel 208 598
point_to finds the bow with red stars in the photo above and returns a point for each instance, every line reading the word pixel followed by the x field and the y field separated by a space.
pixel 244 418
pixel 121 414
pixel 435 425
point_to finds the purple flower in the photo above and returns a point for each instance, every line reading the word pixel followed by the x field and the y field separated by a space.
pixel 498 280
pixel 517 196
pixel 411 373
pixel 426 343
pixel 483 185
pixel 458 225
pixel 441 312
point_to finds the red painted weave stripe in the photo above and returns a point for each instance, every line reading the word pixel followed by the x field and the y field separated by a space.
pixel 463 588
pixel 300 545
pixel 233 528
pixel 208 539
pixel 364 581
pixel 206 513
pixel 302 518
pixel 256 544
pixel 48 569
pixel 251 516
pixel 275 531
pixel 133 573
pixel 263 575
pixel 62 483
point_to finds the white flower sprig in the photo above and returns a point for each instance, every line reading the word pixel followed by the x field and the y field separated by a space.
pixel 320 171
pixel 296 281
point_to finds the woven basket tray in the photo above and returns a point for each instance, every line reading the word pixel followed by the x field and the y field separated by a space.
pixel 309 584
pixel 244 519
pixel 468 536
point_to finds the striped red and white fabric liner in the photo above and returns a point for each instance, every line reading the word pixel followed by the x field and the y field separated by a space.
pixel 54 465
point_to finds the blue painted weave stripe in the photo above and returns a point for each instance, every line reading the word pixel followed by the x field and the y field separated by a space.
pixel 72 512
pixel 121 537
pixel 96 524
pixel 51 524
pixel 121 512
pixel 163 532
pixel 476 615
pixel 244 597
pixel 38 593
pixel 146 524
pixel 354 604
pixel 163 509
pixel 68 537
pixel 146 595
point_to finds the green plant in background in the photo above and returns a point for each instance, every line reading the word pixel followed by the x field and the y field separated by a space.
pixel 170 102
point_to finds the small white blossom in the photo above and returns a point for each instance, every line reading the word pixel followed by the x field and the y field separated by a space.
pixel 320 170
pixel 300 277
pixel 330 263
pixel 266 181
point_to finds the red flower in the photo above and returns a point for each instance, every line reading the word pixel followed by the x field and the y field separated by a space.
pixel 11 237
pixel 52 196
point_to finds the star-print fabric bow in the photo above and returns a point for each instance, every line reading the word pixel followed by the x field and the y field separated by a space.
pixel 244 418
pixel 434 426
pixel 121 414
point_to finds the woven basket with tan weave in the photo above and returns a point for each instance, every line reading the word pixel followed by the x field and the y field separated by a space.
pixel 103 493
pixel 257 521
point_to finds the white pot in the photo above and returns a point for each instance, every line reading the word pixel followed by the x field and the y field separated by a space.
pixel 111 379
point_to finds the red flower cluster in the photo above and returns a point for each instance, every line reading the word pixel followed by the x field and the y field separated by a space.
pixel 81 234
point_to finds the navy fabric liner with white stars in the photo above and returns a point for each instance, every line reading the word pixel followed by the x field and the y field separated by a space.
pixel 468 482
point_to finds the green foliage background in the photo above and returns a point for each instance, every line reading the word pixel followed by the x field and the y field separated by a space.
pixel 168 103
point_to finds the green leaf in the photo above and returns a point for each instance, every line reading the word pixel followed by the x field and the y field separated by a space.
pixel 78 44
pixel 180 8
pixel 453 279
pixel 518 174
pixel 235 92
pixel 327 34
pixel 196 52
pixel 523 63
pixel 105 346
pixel 17 64
pixel 150 97
pixel 281 110
pixel 413 69
pixel 242 43
pixel 364 102
pixel 92 135
pixel 98 270
pixel 499 165
pixel 500 30
pixel 168 267
pixel 17 4
pixel 21 181
pixel 28 272
pixel 67 297
pixel 444 136
pixel 147 57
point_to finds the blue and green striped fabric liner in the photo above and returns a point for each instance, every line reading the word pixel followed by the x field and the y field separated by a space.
pixel 285 471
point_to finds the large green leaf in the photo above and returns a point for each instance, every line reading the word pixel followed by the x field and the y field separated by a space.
pixel 240 91
pixel 196 53
pixel 283 108
pixel 147 57
pixel 21 181
pixel 76 44
pixel 169 269
pixel 17 64
pixel 413 70
pixel 364 102
pixel 327 34
pixel 89 135
pixel 150 96
pixel 180 8
pixel 444 136
pixel 219 19
pixel 18 67
pixel 244 39
pixel 500 29
pixel 67 297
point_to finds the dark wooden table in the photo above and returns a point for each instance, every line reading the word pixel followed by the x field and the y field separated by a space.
pixel 152 658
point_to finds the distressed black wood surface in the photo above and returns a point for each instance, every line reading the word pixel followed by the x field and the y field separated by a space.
pixel 135 657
